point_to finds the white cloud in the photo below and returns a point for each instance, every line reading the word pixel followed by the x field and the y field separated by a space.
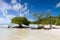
pixel 4 7
pixel 58 5
pixel 27 12
pixel 21 9
pixel 18 7
pixel 21 15
pixel 13 1
pixel 10 16
pixel 4 21
pixel 25 8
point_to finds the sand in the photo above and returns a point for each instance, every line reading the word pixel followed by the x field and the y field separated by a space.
pixel 28 34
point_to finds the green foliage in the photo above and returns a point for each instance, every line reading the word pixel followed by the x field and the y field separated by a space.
pixel 38 18
pixel 48 19
pixel 20 20
pixel 54 20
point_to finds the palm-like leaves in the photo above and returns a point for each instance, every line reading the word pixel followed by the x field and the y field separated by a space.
pixel 38 17
pixel 49 19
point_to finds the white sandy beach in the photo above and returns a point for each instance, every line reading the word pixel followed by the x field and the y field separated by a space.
pixel 28 34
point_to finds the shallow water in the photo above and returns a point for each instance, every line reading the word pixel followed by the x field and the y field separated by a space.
pixel 28 34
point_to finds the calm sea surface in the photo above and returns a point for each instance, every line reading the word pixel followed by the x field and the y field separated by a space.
pixel 5 26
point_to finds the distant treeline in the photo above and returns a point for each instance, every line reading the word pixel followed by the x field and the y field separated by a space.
pixel 38 19
pixel 55 20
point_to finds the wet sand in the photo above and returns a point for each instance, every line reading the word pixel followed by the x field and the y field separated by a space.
pixel 28 34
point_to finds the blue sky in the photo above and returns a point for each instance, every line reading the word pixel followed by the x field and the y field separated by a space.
pixel 12 8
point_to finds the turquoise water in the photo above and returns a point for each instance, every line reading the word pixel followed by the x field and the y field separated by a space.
pixel 3 26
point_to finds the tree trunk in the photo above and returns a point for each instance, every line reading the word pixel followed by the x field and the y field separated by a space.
pixel 50 25
pixel 20 26
pixel 38 23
